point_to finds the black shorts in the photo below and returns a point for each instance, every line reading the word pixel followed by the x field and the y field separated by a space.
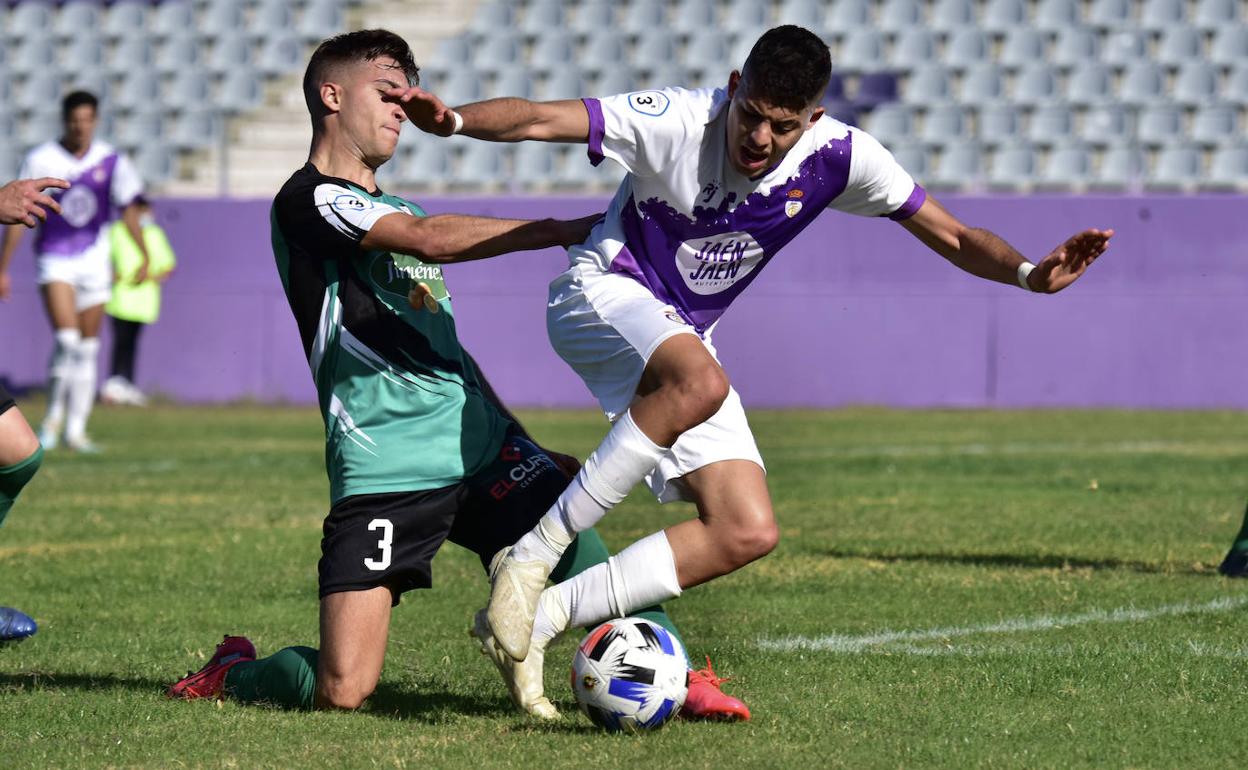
pixel 6 399
pixel 389 539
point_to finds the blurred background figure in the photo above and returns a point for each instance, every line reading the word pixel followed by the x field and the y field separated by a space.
pixel 74 272
pixel 136 298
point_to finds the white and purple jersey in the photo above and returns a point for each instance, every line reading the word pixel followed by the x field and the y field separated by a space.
pixel 100 180
pixel 693 230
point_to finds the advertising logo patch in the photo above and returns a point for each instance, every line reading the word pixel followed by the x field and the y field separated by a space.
pixel 712 264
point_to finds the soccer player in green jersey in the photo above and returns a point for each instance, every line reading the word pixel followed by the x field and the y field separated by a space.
pixel 419 449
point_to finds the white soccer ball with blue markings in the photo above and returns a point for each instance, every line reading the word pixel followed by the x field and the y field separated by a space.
pixel 630 675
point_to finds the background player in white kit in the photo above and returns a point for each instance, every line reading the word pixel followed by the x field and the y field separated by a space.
pixel 75 271
pixel 719 181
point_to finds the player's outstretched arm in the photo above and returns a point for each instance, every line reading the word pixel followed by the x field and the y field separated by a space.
pixel 980 252
pixel 449 238
pixel 497 120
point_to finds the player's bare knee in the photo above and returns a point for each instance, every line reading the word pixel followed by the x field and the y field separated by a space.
pixel 751 542
pixel 343 692
pixel 700 394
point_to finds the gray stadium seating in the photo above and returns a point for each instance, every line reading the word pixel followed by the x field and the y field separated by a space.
pixel 1013 167
pixel 1003 15
pixel 745 15
pixel 999 123
pixel 943 123
pixel 512 82
pixel 1229 45
pixel 953 16
pixel 913 48
pixel 1108 125
pixel 1109 14
pixel 692 15
pixel 1143 82
pixel 1089 84
pixel 1035 84
pixel 563 84
pixel 1158 15
pixel 1051 125
pixel 1057 15
pixel 1228 170
pixel 1214 15
pixel 1119 169
pixel 593 16
pixel 1022 47
pixel 1177 168
pixel 958 167
pixel 842 15
pixel 896 16
pixel 1215 124
pixel 966 47
pixel 1195 84
pixel 1180 44
pixel 1068 167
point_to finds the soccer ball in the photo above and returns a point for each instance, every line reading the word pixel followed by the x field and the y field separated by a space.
pixel 630 675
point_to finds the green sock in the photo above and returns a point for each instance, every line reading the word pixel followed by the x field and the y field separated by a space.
pixel 287 678
pixel 586 551
pixel 1241 540
pixel 14 477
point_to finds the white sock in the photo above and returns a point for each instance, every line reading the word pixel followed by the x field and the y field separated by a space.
pixel 623 458
pixel 82 388
pixel 60 373
pixel 641 575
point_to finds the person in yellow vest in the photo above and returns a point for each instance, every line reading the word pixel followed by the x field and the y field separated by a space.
pixel 136 300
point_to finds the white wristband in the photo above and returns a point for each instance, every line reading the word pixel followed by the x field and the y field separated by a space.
pixel 459 122
pixel 1024 270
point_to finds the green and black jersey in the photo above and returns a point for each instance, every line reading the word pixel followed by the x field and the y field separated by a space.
pixel 404 406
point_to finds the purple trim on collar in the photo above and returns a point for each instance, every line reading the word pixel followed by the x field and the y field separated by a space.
pixel 597 130
pixel 911 206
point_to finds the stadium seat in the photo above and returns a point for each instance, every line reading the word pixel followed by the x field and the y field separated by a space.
pixel 1235 90
pixel 593 16
pixel 654 48
pixel 617 80
pixel 1158 125
pixel 1050 125
pixel 1158 15
pixel 551 51
pixel 1120 168
pixel 194 128
pixel 271 16
pixel 1057 15
pixel 38 127
pixel 239 89
pixel 1012 168
pixel 1179 45
pixel 1177 168
pixel 913 48
pixel 981 83
pixel 28 21
pixel 1142 83
pixel 481 166
pixel 10 158
pixel 461 86
pixel 999 123
pixel 841 15
pixel 130 54
pixel 694 15
pixel 140 129
pixel 31 55
pixel 913 159
pixel 179 51
pixel 1228 170
pixel 604 50
pixel 876 88
pixel 1215 15
pixel 498 50
pixel 1035 84
pixel 1074 47
pixel 1215 124
pixel 514 82
pixel 222 18
pixel 82 55
pixel 126 18
pixel 959 166
pixel 429 165
pixel 1125 47
pixel 491 16
pixel 1107 125
pixel 1068 168
pixel 37 91
pixel 943 123
pixel 1089 84
pixel 563 84
pixel 892 124
pixel 1195 84
pixel 930 84
pixel 1000 16
pixel 966 47
pixel 1109 14
pixel 667 75
pixel 542 17
pixel 645 16
pixel 1229 46
pixel 321 19
pixel 139 91
pixel 280 53
pixel 172 18
pixel 952 17
pixel 1022 47
pixel 533 163
pixel 96 82
pixel 746 16
pixel 76 17
pixel 895 16
pixel 861 50
pixel 707 52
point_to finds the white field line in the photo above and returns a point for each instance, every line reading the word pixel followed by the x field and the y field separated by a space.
pixel 1018 448
pixel 904 641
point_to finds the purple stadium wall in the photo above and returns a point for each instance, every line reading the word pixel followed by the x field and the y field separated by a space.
pixel 854 312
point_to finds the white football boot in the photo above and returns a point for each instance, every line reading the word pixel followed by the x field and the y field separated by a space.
pixel 516 587
pixel 524 678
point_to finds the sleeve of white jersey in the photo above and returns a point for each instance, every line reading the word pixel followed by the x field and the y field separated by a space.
pixel 127 184
pixel 349 212
pixel 642 131
pixel 878 186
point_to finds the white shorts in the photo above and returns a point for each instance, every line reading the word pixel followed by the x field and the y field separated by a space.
pixel 606 326
pixel 89 274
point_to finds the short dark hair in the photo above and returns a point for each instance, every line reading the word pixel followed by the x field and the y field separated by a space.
pixel 76 99
pixel 349 48
pixel 788 66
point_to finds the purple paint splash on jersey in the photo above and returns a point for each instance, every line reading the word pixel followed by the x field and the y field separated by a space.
pixel 654 232
pixel 86 210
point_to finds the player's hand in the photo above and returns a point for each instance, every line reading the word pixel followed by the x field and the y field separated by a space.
pixel 6 287
pixel 1066 263
pixel 568 464
pixel 140 275
pixel 22 202
pixel 424 109
pixel 576 231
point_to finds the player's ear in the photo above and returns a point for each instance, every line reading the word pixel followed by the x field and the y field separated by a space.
pixel 331 96
pixel 734 82
pixel 814 117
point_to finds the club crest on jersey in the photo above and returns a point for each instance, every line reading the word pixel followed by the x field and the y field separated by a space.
pixel 652 103
pixel 791 208
pixel 712 264
pixel 351 202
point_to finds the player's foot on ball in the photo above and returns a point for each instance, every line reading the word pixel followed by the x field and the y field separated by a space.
pixel 209 680
pixel 706 700
pixel 516 587
pixel 524 678
pixel 16 625
pixel 1235 564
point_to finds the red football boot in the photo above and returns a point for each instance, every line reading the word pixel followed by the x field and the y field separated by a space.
pixel 706 701
pixel 208 681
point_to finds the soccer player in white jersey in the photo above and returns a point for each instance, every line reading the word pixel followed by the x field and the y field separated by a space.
pixel 719 180
pixel 23 202
pixel 75 271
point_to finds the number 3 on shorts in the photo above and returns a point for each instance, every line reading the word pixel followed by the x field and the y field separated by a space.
pixel 383 545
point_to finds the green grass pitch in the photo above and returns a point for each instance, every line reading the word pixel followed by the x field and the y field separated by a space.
pixel 952 589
